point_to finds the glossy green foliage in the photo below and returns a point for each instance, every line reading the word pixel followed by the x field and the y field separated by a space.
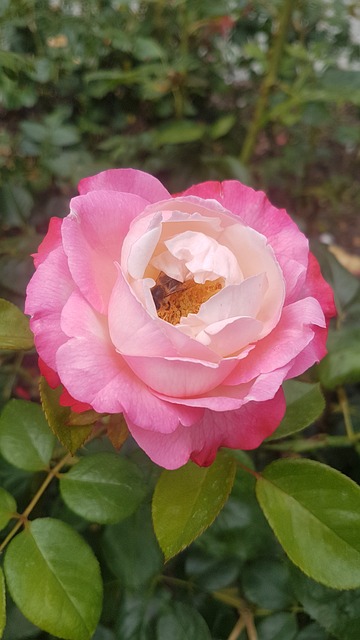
pixel 25 438
pixel 181 622
pixel 338 612
pixel 315 513
pixel 132 552
pixel 58 417
pixel 304 404
pixel 49 568
pixel 103 488
pixel 7 507
pixel 14 328
pixel 2 603
pixel 187 500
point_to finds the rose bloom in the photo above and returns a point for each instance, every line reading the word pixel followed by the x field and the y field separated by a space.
pixel 184 313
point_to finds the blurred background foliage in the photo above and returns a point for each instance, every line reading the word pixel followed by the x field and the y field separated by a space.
pixel 173 87
pixel 264 92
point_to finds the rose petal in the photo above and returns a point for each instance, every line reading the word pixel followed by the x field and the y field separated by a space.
pixel 46 294
pixel 127 181
pixel 284 344
pixel 255 210
pixel 242 429
pixel 179 377
pixel 93 372
pixel 92 237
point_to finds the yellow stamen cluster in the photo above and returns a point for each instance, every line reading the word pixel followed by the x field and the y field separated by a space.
pixel 187 299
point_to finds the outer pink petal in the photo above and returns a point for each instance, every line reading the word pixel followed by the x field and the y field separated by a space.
pixel 127 181
pixel 242 429
pixel 94 373
pixel 46 294
pixel 284 344
pixel 92 237
pixel 229 398
pixel 49 374
pixel 255 210
pixel 50 242
pixel 53 380
pixel 180 378
pixel 318 288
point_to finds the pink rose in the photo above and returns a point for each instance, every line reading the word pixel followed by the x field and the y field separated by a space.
pixel 185 313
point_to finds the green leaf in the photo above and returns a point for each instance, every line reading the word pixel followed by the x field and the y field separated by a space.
pixel 16 204
pixel 222 126
pixel 2 603
pixel 315 514
pixel 186 501
pixel 211 574
pixel 346 286
pixel 25 438
pixel 17 626
pixel 14 328
pixel 342 364
pixel 131 550
pixel 137 611
pixel 279 626
pixel 238 520
pixel 15 62
pixel 179 132
pixel 147 49
pixel 7 507
pixel 312 632
pixel 304 404
pixel 54 579
pixel 59 419
pixel 103 488
pixel 266 582
pixel 181 622
pixel 337 611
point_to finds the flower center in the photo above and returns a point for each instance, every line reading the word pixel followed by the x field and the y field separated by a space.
pixel 174 299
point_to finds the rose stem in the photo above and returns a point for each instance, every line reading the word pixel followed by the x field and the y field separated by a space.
pixel 267 82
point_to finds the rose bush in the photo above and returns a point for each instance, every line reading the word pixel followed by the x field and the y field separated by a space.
pixel 185 313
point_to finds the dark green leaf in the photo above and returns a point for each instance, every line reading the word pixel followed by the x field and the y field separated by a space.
pixel 312 632
pixel 16 203
pixel 342 363
pixel 17 626
pixel 319 532
pixel 14 328
pixel 209 573
pixel 304 404
pixel 15 62
pixel 186 501
pixel 337 611
pixel 131 550
pixel 25 438
pixel 59 418
pixel 50 569
pixel 279 626
pixel 7 508
pixel 238 520
pixel 266 583
pixel 103 488
pixel 181 622
pixel 137 612
pixel 2 603
pixel 102 633
pixel 346 286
